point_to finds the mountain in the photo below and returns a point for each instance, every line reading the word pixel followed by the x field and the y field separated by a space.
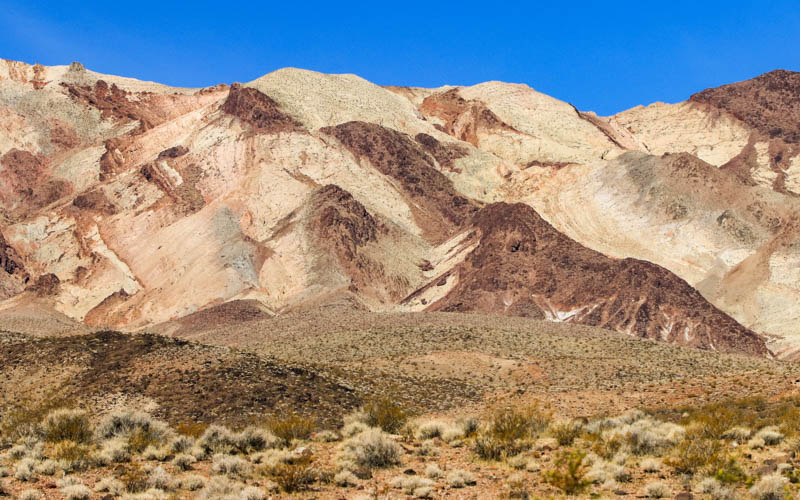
pixel 128 204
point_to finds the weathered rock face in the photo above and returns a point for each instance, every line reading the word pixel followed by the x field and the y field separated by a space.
pixel 523 266
pixel 126 203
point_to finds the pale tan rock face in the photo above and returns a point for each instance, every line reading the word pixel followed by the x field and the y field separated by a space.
pixel 125 204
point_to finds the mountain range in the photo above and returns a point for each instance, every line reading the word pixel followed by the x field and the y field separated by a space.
pixel 128 205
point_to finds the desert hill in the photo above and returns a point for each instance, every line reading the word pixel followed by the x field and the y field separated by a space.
pixel 127 204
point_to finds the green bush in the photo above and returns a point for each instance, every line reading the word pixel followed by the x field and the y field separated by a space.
pixel 292 427
pixel 385 412
pixel 570 473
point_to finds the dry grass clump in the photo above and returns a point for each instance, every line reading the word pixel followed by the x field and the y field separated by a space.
pixel 651 465
pixel 229 465
pixel 345 478
pixel 184 461
pixel 602 471
pixel 696 453
pixel 73 456
pixel 67 425
pixel 295 475
pixel 416 486
pixel 656 489
pixel 138 428
pixel 769 435
pixel 509 431
pixel 30 494
pixel 771 487
pixel 110 485
pixel 159 479
pixel 49 467
pixel 191 482
pixel 565 431
pixel 371 449
pixel 26 469
pixel 433 471
pixel 220 487
pixel 712 487
pixel 292 427
pixel 115 450
pixel 647 436
pixel 460 478
pixel 76 492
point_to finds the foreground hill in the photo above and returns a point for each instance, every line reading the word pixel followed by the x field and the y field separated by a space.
pixel 127 204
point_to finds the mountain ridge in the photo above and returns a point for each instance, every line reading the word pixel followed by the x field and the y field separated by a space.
pixel 150 203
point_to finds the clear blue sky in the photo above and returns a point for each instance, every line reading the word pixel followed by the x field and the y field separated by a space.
pixel 603 56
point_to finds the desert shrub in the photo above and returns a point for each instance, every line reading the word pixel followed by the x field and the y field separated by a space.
pixel 72 456
pixel 138 427
pixel 647 436
pixel 386 413
pixel 217 439
pixel 229 465
pixel 184 461
pixel 695 454
pixel 740 434
pixel 460 478
pixel 351 429
pixel 220 487
pixel 253 493
pixel 159 478
pixel 371 449
pixel 191 430
pixel 601 471
pixel 134 478
pixel 114 450
pixel 48 467
pixel 769 435
pixel 26 469
pixel 729 472
pixel 30 495
pixel 771 487
pixel 469 426
pixel 433 471
pixel 430 429
pixel 326 436
pixel 452 434
pixel 24 419
pixel 518 462
pixel 159 453
pixel 427 449
pixel 17 452
pixel 508 431
pixel 292 427
pixel 566 431
pixel 569 474
pixel 651 465
pixel 110 485
pixel 253 439
pixel 67 425
pixel 68 481
pixel 715 489
pixel 345 478
pixel 413 485
pixel 192 482
pixel 517 488
pixel 656 490
pixel 76 492
pixel 294 476
pixel 181 444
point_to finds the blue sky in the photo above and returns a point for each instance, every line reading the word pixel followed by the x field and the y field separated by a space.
pixel 601 56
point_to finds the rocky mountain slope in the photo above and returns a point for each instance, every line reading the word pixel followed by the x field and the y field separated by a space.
pixel 127 204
